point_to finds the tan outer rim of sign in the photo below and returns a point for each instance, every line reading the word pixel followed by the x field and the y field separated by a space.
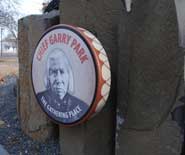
pixel 103 74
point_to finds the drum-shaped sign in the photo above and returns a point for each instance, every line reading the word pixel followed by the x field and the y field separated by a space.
pixel 70 74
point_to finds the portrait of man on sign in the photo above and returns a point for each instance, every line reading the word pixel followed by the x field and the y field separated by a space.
pixel 59 83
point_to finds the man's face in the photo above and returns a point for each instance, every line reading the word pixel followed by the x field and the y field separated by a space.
pixel 58 77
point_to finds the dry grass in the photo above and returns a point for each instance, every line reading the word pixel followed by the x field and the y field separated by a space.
pixel 8 66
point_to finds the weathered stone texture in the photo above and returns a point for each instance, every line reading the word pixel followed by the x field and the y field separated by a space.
pixel 152 142
pixel 101 18
pixel 33 120
pixel 153 71
pixel 156 62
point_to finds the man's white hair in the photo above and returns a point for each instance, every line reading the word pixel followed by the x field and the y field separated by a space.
pixel 55 54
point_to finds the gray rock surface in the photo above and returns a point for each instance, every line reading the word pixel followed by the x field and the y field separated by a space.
pixel 156 62
pixel 150 79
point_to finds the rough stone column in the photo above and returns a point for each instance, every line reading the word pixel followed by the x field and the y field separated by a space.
pixel 96 137
pixel 154 70
pixel 33 121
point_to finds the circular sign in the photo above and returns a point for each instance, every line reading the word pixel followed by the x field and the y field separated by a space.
pixel 70 74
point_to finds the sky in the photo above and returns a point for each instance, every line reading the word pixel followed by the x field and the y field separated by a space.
pixel 28 7
pixel 25 8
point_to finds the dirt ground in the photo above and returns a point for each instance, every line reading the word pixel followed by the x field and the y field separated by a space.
pixel 8 66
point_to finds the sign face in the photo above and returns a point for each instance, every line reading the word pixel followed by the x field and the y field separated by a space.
pixel 65 77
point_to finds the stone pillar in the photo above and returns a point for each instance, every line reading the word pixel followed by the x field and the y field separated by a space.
pixel 154 69
pixel 96 137
pixel 33 120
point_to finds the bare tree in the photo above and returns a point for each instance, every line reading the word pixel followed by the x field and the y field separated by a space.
pixel 9 15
